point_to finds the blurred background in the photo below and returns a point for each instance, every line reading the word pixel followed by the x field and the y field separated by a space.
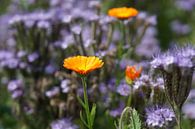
pixel 173 21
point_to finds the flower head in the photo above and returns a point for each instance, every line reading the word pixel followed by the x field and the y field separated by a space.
pixel 64 123
pixel 123 89
pixel 159 116
pixel 123 12
pixel 132 73
pixel 83 64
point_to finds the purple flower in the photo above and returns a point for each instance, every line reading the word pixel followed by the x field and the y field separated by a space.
pixel 181 57
pixel 32 57
pixel 53 92
pixel 43 24
pixel 17 94
pixel 67 19
pixel 180 28
pixel 64 123
pixel 14 84
pixel 103 89
pixel 117 111
pixel 15 87
pixel 50 69
pixel 187 5
pixel 149 44
pixel 159 117
pixel 123 89
pixel 65 86
pixel 76 29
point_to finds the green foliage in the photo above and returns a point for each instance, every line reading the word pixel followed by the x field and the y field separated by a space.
pixel 129 119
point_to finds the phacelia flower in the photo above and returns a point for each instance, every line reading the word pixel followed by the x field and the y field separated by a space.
pixel 177 67
pixel 132 73
pixel 63 124
pixel 15 87
pixel 123 89
pixel 83 64
pixel 159 117
pixel 123 12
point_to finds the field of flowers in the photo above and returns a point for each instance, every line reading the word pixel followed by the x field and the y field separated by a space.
pixel 97 64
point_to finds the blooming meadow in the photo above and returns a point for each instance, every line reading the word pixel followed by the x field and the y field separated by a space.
pixel 97 64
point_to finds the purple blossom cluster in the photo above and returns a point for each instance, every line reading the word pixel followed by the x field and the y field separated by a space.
pixel 146 80
pixel 187 5
pixel 16 88
pixel 159 117
pixel 64 123
pixel 180 57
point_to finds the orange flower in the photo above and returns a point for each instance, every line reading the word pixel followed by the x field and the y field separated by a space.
pixel 132 73
pixel 83 64
pixel 123 12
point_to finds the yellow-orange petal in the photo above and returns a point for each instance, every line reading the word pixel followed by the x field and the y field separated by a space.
pixel 83 64
pixel 123 12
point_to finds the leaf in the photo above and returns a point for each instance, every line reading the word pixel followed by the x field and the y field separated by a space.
pixel 92 114
pixel 81 102
pixel 83 120
pixel 135 122
pixel 129 119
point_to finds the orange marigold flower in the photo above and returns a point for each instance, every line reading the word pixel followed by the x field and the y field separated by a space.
pixel 83 64
pixel 123 12
pixel 132 73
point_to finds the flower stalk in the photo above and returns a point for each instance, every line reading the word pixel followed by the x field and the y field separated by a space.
pixel 90 115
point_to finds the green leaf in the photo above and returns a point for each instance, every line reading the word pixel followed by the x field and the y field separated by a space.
pixel 83 120
pixel 135 122
pixel 129 119
pixel 92 114
pixel 81 102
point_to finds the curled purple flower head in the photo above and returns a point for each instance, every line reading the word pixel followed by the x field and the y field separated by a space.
pixel 144 80
pixel 180 57
pixel 159 117
pixel 64 123
pixel 147 81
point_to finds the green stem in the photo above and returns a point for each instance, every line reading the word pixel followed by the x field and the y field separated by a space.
pixel 178 117
pixel 86 102
pixel 130 99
